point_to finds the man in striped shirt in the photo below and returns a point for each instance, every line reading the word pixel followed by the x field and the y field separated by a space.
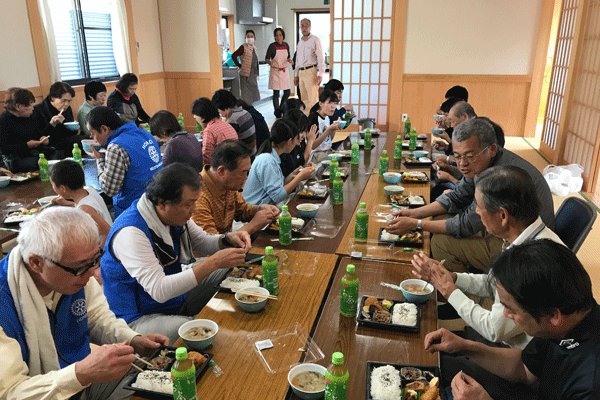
pixel 236 116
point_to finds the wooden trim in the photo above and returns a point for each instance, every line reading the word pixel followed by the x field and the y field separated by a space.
pixel 230 25
pixel 467 78
pixel 162 46
pixel 187 75
pixel 132 41
pixel 213 18
pixel 397 76
pixel 152 76
pixel 307 10
pixel 39 46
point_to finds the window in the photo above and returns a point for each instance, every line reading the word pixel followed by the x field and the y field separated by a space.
pixel 84 39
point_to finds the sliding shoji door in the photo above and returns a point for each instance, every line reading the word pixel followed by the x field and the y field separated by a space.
pixel 361 48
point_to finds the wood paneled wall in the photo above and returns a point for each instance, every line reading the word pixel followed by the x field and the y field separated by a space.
pixel 182 88
pixel 502 98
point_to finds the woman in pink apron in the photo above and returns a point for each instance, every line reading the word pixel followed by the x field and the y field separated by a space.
pixel 278 56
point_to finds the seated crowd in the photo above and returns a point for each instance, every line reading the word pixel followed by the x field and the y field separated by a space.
pixel 492 216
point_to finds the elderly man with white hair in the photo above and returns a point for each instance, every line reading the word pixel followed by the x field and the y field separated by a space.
pixel 50 312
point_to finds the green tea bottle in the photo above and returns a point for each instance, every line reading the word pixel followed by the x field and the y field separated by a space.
pixel 336 378
pixel 183 374
pixel 181 121
pixel 384 163
pixel 334 166
pixel 349 296
pixel 285 226
pixel 348 117
pixel 361 227
pixel 198 127
pixel 43 164
pixel 368 139
pixel 398 148
pixel 77 154
pixel 355 152
pixel 270 272
pixel 147 128
pixel 412 144
pixel 337 196
pixel 407 126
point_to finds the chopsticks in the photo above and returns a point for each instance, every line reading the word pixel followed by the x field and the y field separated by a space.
pixel 136 367
pixel 10 230
pixel 241 291
pixel 255 260
pixel 295 239
pixel 144 361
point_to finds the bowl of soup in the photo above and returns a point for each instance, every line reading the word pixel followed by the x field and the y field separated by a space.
pixel 307 210
pixel 413 290
pixel 199 333
pixel 391 190
pixel 72 126
pixel 252 303
pixel 4 181
pixel 87 145
pixel 308 380
pixel 391 177
pixel 437 131
pixel 337 156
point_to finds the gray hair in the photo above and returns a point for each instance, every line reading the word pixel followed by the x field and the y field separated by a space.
pixel 53 230
pixel 306 19
pixel 462 107
pixel 475 127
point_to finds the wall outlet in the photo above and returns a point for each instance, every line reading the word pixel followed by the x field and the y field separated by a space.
pixel 404 116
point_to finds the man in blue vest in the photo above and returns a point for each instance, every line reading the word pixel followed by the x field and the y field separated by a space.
pixel 131 159
pixel 142 273
pixel 50 312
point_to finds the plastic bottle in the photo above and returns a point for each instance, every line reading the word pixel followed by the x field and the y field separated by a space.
pixel 198 127
pixel 43 164
pixel 336 378
pixel 285 226
pixel 398 148
pixel 77 154
pixel 349 296
pixel 412 144
pixel 147 128
pixel 368 139
pixel 355 152
pixel 183 374
pixel 348 118
pixel 270 273
pixel 334 167
pixel 407 126
pixel 384 163
pixel 361 227
pixel 181 121
pixel 338 190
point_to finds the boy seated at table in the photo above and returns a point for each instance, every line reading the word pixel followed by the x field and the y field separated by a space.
pixel 68 180
pixel 319 115
pixel 337 87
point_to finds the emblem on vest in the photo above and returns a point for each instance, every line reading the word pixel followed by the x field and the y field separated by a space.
pixel 569 343
pixel 79 307
pixel 154 155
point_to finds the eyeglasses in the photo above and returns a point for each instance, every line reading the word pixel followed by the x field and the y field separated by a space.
pixel 469 158
pixel 82 270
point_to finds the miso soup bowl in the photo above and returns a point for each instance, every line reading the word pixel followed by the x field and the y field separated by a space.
pixel 303 368
pixel 202 343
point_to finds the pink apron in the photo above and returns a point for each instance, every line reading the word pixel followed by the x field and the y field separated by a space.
pixel 279 78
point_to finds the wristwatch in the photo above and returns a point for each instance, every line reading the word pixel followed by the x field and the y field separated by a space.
pixel 225 242
pixel 420 224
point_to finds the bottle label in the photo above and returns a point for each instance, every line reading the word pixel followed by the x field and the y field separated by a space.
pixel 361 227
pixel 349 298
pixel 336 387
pixel 338 193
pixel 367 141
pixel 383 166
pixel 184 384
pixel 355 155
pixel 271 277
pixel 285 230
pixel 333 169
pixel 398 151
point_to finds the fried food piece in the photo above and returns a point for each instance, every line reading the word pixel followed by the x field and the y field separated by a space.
pixel 433 391
pixel 197 358
pixel 416 386
pixel 410 395
pixel 372 301
pixel 252 273
pixel 382 316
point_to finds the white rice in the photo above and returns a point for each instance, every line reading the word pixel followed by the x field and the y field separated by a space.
pixel 239 283
pixel 404 314
pixel 416 200
pixel 388 237
pixel 385 383
pixel 156 381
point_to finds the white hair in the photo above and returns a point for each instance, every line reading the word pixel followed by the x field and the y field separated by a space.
pixel 49 233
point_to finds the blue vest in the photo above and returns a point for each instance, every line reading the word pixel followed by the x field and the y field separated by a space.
pixel 145 158
pixel 69 323
pixel 126 297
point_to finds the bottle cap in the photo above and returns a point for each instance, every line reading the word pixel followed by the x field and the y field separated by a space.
pixel 338 175
pixel 368 129
pixel 41 155
pixel 333 157
pixel 350 268
pixel 181 353
pixel 269 250
pixel 384 153
pixel 363 205
pixel 355 141
pixel 75 145
pixel 414 130
pixel 284 208
pixel 398 137
pixel 337 358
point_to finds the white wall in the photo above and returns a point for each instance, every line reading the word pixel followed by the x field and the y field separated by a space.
pixel 184 35
pixel 147 35
pixel 17 63
pixel 471 36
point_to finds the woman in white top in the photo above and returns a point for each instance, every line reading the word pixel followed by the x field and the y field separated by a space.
pixel 319 115
pixel 68 182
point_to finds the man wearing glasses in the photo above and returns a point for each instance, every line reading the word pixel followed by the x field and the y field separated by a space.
pixel 462 239
pixel 50 312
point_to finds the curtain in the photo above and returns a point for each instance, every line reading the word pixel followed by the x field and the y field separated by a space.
pixel 120 36
pixel 50 42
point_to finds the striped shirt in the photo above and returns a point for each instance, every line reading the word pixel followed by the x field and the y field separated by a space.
pixel 216 209
pixel 242 122
pixel 112 169
pixel 215 132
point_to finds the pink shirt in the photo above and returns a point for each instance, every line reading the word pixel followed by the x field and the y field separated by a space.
pixel 215 132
